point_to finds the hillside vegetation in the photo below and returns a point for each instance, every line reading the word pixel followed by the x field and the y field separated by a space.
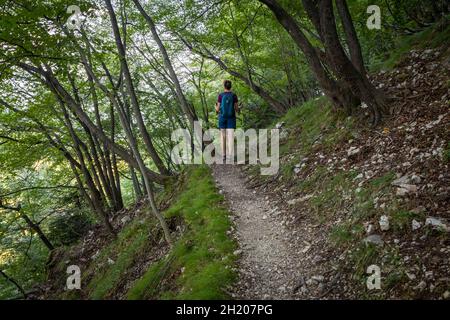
pixel 96 204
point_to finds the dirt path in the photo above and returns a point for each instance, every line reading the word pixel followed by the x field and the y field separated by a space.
pixel 269 266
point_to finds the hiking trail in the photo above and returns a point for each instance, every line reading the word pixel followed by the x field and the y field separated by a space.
pixel 269 266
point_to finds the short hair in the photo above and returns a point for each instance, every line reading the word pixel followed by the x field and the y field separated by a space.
pixel 227 84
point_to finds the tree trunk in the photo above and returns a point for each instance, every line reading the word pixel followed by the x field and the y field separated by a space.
pixel 131 91
pixel 14 282
pixel 351 36
pixel 95 193
pixel 147 183
pixel 339 96
pixel 136 186
pixel 35 227
pixel 189 112
pixel 59 91
pixel 358 83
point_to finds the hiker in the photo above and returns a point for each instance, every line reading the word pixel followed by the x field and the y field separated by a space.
pixel 227 107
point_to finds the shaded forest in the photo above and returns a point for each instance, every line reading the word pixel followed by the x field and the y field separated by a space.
pixel 91 92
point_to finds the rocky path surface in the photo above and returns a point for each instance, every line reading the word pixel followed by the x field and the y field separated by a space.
pixel 269 265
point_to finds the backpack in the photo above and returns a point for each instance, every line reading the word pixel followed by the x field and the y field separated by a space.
pixel 227 105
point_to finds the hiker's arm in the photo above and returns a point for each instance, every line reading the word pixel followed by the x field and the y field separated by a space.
pixel 219 100
pixel 236 107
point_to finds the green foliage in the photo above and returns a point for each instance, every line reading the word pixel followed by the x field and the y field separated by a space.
pixel 346 233
pixel 250 41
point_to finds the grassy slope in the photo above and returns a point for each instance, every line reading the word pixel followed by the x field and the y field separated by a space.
pixel 200 264
pixel 431 37
pixel 331 193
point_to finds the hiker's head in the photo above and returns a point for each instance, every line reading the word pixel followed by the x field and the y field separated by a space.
pixel 227 84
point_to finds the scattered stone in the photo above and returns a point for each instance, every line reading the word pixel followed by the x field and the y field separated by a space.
pixel 421 286
pixel 279 125
pixel 237 252
pixel 306 249
pixel 318 278
pixel 415 178
pixel 370 228
pixel 310 282
pixel 406 189
pixel 124 220
pixel 95 255
pixel 353 151
pixel 436 224
pixel 416 225
pixel 374 239
pixel 411 276
pixel 400 181
pixel 384 223
pixel 359 176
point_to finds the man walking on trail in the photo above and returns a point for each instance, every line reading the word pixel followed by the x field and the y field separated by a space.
pixel 227 107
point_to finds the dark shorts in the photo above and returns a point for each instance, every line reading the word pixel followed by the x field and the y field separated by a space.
pixel 227 123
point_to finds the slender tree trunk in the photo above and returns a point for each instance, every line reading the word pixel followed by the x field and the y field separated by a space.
pixel 351 36
pixel 359 84
pixel 338 95
pixel 136 186
pixel 36 228
pixel 55 86
pixel 124 120
pixel 189 112
pixel 95 193
pixel 14 282
pixel 147 183
pixel 131 91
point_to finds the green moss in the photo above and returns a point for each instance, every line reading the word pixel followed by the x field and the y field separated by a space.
pixel 200 263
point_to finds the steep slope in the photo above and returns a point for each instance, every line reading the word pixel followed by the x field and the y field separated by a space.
pixel 140 265
pixel 341 181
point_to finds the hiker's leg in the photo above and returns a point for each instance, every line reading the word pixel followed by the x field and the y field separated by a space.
pixel 230 145
pixel 223 138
